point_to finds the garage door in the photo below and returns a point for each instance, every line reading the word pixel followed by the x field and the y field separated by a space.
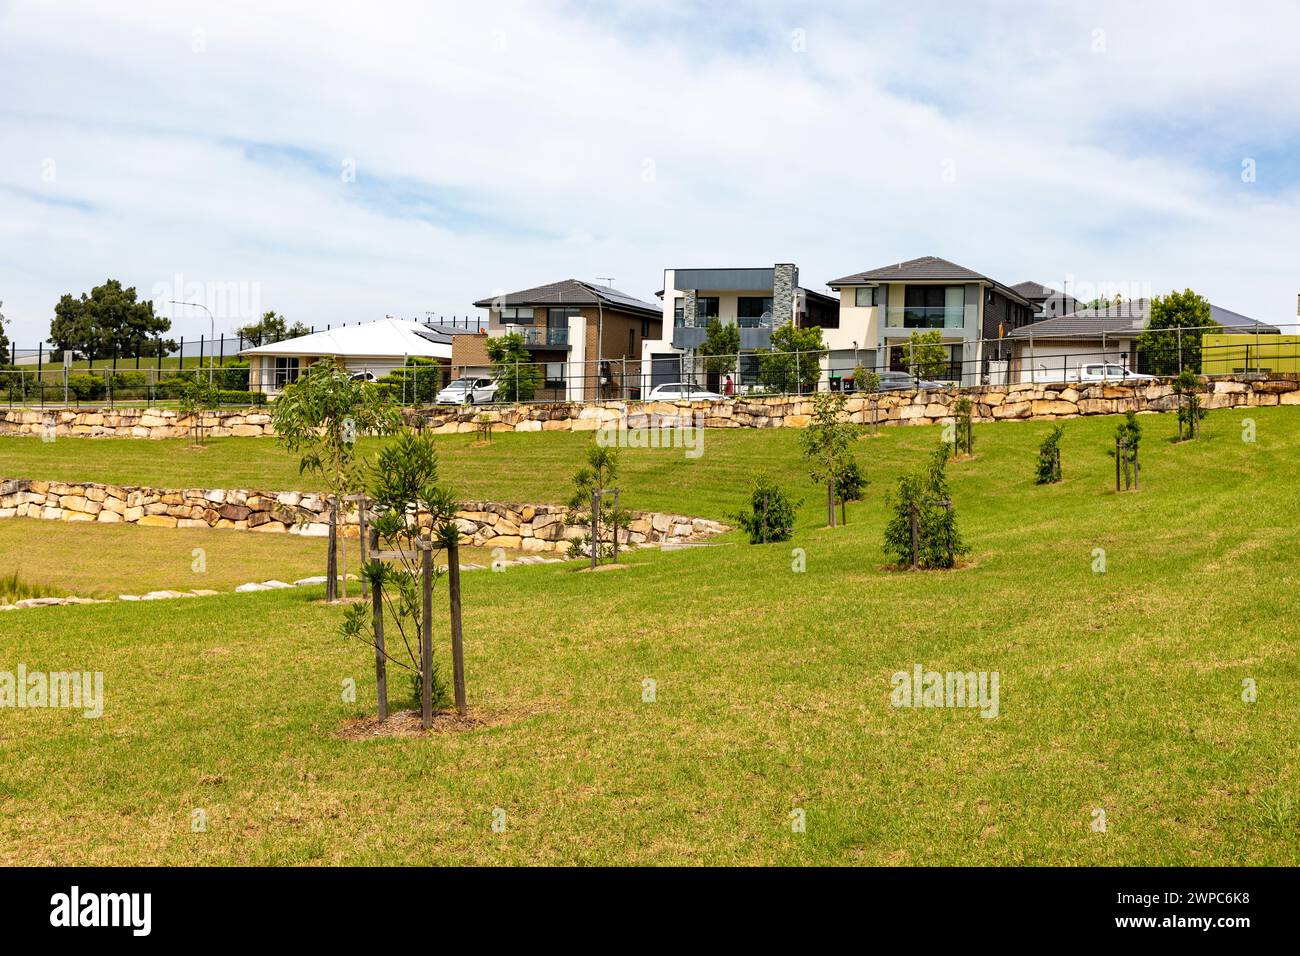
pixel 665 368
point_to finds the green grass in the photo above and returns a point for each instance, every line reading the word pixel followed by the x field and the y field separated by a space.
pixel 104 560
pixel 1119 691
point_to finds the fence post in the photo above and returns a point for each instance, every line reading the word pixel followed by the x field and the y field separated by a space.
pixel 916 534
pixel 381 665
pixel 614 524
pixel 457 639
pixel 426 634
pixel 595 527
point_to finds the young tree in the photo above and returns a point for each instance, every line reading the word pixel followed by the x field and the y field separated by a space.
pixel 1049 458
pixel 271 327
pixel 517 376
pixel 320 418
pixel 826 444
pixel 922 529
pixel 963 427
pixel 108 321
pixel 1187 386
pixel 771 513
pixel 402 484
pixel 196 398
pixel 925 355
pixel 1167 350
pixel 4 339
pixel 1128 435
pixel 597 479
pixel 793 363
pixel 851 485
pixel 720 348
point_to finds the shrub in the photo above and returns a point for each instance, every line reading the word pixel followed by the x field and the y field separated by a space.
pixel 770 516
pixel 228 397
pixel 234 376
pixel 925 493
pixel 518 377
pixel 124 380
pixel 417 382
pixel 86 387
pixel 1049 457
pixel 1187 386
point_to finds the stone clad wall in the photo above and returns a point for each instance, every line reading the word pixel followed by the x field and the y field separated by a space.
pixel 534 528
pixel 990 403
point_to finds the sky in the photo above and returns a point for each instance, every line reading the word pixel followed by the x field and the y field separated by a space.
pixel 339 162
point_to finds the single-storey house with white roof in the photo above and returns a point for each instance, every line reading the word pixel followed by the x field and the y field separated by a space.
pixel 376 348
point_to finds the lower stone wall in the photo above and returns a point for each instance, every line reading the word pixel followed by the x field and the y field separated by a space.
pixel 989 403
pixel 530 528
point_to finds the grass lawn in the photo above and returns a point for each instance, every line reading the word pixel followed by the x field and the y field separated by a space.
pixel 1120 691
pixel 105 560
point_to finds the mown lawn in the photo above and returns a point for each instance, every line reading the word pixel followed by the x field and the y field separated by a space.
pixel 1120 691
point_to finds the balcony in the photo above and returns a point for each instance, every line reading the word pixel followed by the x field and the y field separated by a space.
pixel 542 338
pixel 925 317
pixel 688 337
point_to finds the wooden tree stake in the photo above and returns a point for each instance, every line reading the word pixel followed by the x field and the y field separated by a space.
pixel 457 644
pixel 426 640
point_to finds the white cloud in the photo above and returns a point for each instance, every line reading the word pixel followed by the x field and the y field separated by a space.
pixel 523 134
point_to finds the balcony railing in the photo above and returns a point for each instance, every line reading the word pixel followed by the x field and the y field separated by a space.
pixel 542 337
pixel 925 317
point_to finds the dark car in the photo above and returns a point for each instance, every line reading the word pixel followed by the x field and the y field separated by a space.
pixel 903 382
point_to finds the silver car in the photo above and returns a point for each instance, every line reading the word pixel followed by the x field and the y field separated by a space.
pixel 682 392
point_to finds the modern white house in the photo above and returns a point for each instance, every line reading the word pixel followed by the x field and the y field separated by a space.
pixel 376 348
pixel 758 300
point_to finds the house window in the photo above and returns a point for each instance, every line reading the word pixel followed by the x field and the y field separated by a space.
pixel 517 315
pixel 645 328
pixel 631 341
pixel 866 297
pixel 679 311
pixel 554 375
pixel 286 370
pixel 706 307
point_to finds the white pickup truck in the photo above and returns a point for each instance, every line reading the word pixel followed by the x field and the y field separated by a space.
pixel 1088 372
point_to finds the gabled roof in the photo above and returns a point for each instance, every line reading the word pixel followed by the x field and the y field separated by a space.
pixel 926 268
pixel 1129 317
pixel 1036 290
pixel 572 292
pixel 385 338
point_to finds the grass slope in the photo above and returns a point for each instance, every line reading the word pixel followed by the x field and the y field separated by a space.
pixel 1119 691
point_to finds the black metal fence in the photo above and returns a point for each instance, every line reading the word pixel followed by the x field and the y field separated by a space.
pixel 32 379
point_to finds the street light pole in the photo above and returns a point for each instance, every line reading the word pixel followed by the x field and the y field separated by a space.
pixel 212 330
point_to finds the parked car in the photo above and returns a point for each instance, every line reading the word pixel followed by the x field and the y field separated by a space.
pixel 682 391
pixel 1089 372
pixel 1107 372
pixel 903 382
pixel 363 376
pixel 467 391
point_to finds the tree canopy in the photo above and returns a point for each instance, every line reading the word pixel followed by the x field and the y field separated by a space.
pixel 721 346
pixel 1167 352
pixel 517 375
pixel 271 327
pixel 107 321
pixel 793 363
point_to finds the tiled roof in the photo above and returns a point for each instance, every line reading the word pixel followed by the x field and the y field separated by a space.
pixel 926 268
pixel 1128 317
pixel 571 292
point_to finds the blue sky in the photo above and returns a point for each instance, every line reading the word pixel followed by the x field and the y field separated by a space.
pixel 340 162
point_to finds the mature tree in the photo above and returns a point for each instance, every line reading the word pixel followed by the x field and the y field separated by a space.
pixel 793 363
pixel 597 478
pixel 826 445
pixel 4 339
pixel 271 327
pixel 1167 350
pixel 771 513
pixel 320 417
pixel 720 348
pixel 108 321
pixel 517 376
pixel 925 355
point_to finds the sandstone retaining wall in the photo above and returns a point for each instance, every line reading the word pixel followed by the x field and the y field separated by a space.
pixel 990 403
pixel 531 528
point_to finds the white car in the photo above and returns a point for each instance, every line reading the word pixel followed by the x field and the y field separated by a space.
pixel 467 391
pixel 682 392
pixel 1108 372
